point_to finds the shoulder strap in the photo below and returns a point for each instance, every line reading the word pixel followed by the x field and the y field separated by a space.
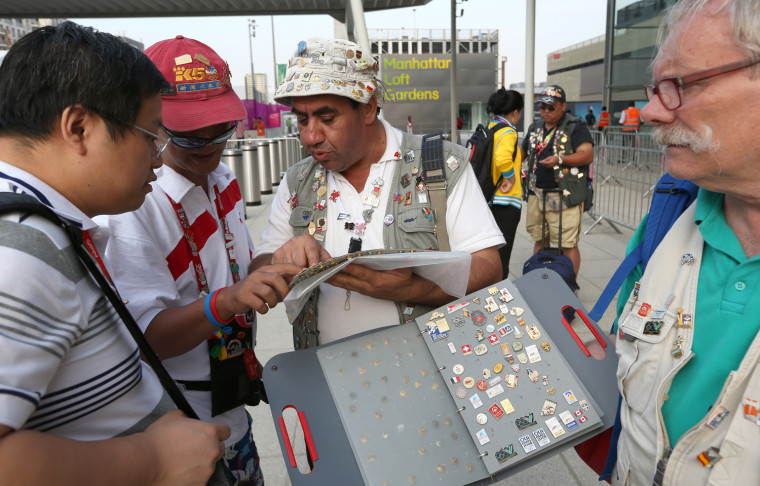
pixel 435 178
pixel 671 198
pixel 10 202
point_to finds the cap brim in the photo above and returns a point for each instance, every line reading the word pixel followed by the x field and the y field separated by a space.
pixel 188 115
pixel 548 100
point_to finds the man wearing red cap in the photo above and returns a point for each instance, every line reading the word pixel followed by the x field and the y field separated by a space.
pixel 181 260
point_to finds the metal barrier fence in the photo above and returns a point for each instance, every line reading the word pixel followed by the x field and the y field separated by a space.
pixel 626 168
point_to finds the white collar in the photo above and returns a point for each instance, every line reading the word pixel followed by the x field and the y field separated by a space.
pixel 176 186
pixel 21 181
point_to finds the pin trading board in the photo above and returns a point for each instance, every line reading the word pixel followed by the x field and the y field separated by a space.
pixel 467 394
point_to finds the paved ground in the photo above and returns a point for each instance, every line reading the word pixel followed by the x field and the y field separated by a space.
pixel 601 251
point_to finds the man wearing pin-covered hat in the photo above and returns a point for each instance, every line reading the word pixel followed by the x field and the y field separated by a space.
pixel 364 187
pixel 559 150
pixel 181 260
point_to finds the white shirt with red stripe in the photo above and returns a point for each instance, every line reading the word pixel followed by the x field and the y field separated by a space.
pixel 150 261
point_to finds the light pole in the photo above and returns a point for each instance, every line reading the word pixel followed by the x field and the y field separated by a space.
pixel 251 35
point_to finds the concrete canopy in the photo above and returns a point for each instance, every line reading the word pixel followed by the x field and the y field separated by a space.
pixel 180 8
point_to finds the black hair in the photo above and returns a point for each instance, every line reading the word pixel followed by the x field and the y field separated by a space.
pixel 604 108
pixel 56 67
pixel 631 103
pixel 504 102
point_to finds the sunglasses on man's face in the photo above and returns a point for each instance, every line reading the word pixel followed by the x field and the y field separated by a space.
pixel 196 142
pixel 543 107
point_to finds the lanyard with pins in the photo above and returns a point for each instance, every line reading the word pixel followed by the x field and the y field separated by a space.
pixel 370 200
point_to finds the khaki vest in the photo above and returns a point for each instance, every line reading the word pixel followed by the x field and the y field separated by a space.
pixel 647 365
pixel 418 233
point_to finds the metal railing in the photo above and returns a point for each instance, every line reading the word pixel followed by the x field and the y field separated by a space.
pixel 626 168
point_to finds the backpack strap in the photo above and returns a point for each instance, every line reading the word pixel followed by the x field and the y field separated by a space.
pixel 671 198
pixel 434 174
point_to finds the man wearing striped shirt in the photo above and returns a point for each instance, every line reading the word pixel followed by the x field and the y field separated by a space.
pixel 78 118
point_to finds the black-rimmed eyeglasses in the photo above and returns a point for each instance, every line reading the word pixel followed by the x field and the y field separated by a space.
pixel 195 142
pixel 669 90
pixel 159 141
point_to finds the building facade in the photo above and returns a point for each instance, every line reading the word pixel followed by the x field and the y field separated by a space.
pixel 415 66
pixel 258 90
pixel 611 69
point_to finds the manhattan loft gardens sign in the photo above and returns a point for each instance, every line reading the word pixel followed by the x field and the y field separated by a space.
pixel 419 85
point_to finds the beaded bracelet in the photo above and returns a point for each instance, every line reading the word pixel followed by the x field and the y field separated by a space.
pixel 209 305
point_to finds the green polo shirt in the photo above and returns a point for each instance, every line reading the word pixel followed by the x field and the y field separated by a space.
pixel 726 319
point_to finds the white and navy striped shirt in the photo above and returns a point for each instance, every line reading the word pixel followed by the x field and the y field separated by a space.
pixel 68 366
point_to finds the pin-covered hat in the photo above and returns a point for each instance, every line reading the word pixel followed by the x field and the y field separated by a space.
pixel 201 93
pixel 552 94
pixel 331 66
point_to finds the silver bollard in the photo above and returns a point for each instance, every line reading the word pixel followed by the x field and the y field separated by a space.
pixel 281 149
pixel 288 161
pixel 252 193
pixel 265 169
pixel 274 161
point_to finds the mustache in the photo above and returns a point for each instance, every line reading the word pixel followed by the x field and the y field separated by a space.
pixel 681 136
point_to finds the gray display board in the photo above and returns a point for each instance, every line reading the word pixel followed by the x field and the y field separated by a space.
pixel 381 407
pixel 516 394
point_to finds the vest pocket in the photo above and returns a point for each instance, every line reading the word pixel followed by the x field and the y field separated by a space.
pixel 301 216
pixel 414 220
pixel 642 359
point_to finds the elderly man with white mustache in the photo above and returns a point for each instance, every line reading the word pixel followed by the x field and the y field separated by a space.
pixel 690 390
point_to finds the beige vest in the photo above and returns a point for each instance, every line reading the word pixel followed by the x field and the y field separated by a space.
pixel 647 365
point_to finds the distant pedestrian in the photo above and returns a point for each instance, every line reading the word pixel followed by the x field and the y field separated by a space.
pixel 604 119
pixel 631 123
pixel 590 119
pixel 559 150
pixel 261 129
pixel 630 118
pixel 506 108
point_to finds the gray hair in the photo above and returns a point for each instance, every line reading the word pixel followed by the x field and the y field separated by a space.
pixel 744 16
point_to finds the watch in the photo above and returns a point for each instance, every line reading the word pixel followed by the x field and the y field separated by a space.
pixel 560 160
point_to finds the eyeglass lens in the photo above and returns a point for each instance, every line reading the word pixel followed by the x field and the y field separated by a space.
pixel 546 107
pixel 667 91
pixel 195 143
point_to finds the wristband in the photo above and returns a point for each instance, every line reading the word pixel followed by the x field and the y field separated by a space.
pixel 560 161
pixel 209 305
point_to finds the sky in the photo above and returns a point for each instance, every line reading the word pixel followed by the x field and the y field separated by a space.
pixel 559 24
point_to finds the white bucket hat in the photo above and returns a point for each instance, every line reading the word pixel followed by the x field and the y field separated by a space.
pixel 331 66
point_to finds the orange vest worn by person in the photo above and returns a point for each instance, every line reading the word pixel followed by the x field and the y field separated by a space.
pixel 631 121
pixel 604 119
pixel 260 128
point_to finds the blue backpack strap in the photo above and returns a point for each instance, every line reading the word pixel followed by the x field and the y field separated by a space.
pixel 616 281
pixel 671 198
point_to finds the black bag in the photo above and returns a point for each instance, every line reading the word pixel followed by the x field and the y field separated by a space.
pixel 552 258
pixel 481 155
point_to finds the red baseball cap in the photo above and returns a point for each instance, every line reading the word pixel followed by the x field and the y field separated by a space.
pixel 201 93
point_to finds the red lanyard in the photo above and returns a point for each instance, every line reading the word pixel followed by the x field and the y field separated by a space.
pixel 93 251
pixel 200 274
pixel 542 144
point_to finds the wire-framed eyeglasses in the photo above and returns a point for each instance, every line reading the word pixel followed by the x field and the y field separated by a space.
pixel 669 90
pixel 159 141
